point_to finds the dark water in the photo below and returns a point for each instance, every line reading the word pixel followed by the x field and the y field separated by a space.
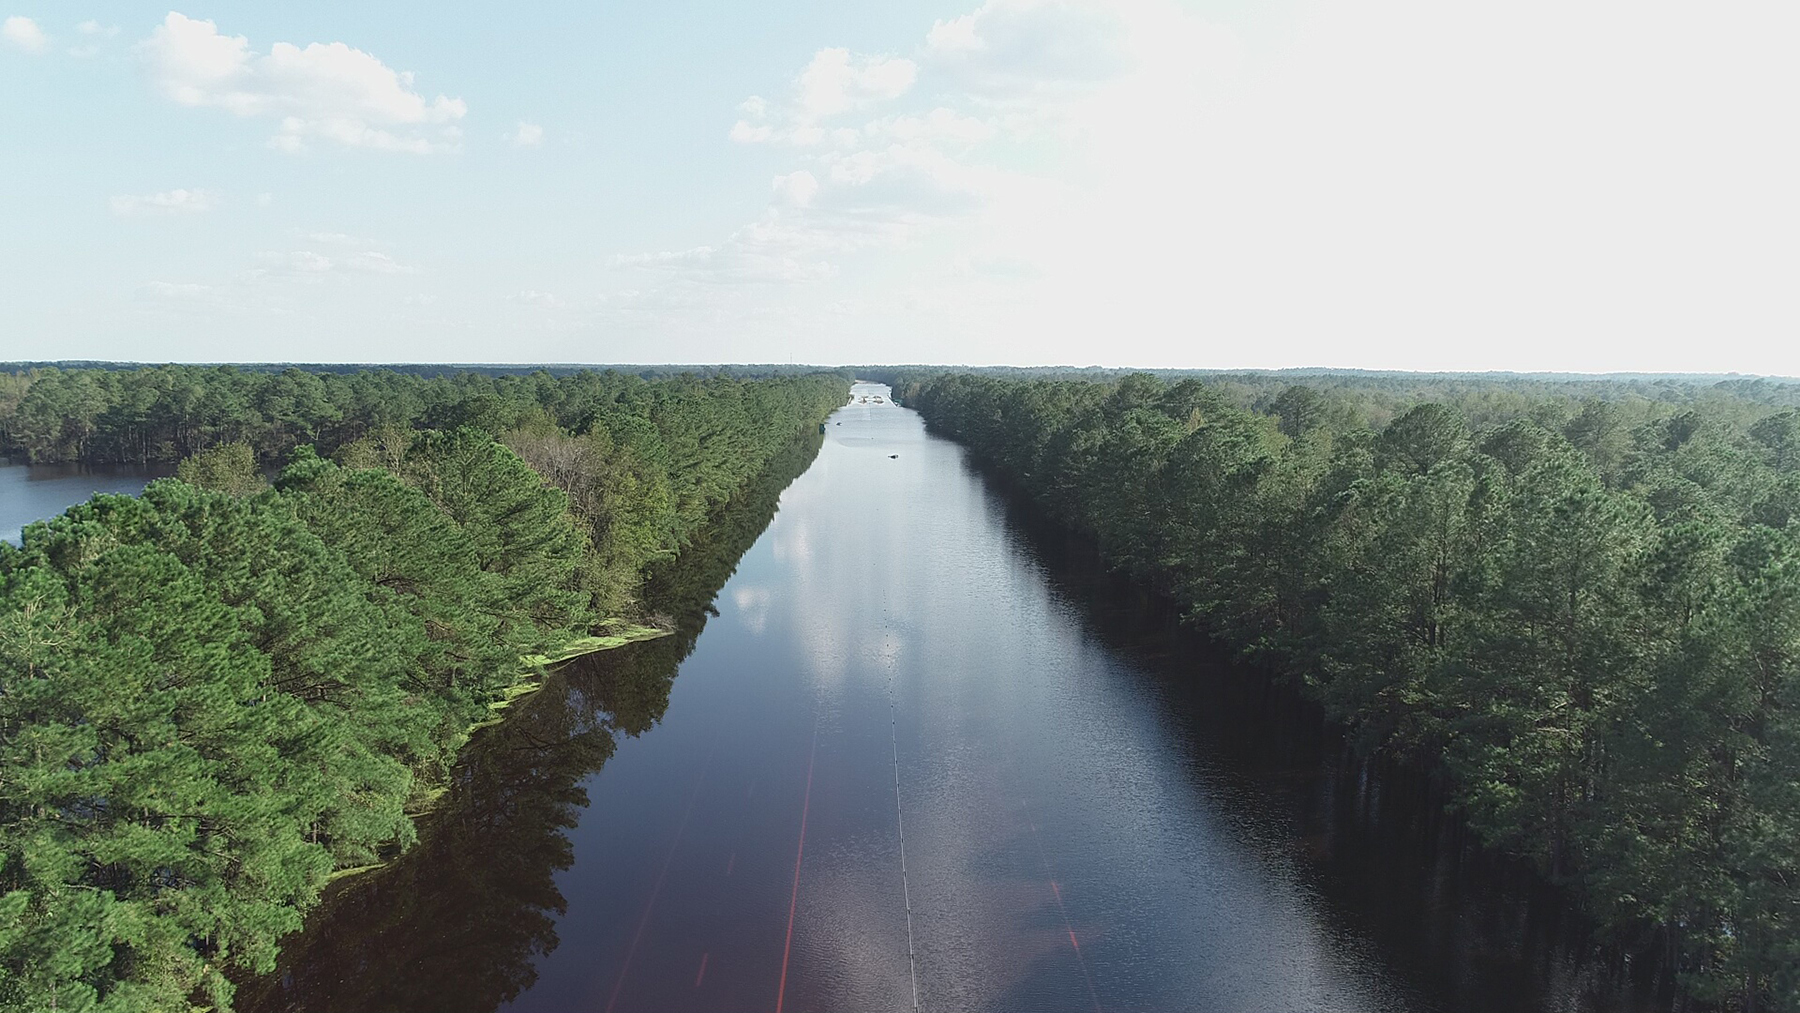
pixel 1097 815
pixel 34 492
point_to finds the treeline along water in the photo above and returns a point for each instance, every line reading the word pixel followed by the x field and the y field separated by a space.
pixel 459 922
pixel 1097 810
pixel 165 413
pixel 1461 926
pixel 215 695
pixel 1097 814
pixel 1584 620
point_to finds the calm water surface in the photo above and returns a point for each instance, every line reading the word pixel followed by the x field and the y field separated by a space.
pixel 33 492
pixel 1090 821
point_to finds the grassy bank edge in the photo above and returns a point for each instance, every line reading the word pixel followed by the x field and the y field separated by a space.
pixel 534 667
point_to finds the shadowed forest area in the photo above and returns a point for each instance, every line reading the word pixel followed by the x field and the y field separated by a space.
pixel 1580 613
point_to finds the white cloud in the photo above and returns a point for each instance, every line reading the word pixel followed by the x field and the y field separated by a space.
pixel 772 250
pixel 301 261
pixel 309 263
pixel 834 82
pixel 372 262
pixel 837 82
pixel 957 35
pixel 699 254
pixel 1071 168
pixel 907 179
pixel 1394 183
pixel 526 135
pixel 883 185
pixel 1010 70
pixel 940 125
pixel 329 92
pixel 1009 48
pixel 94 30
pixel 796 188
pixel 170 202
pixel 1413 185
pixel 868 199
pixel 23 33
pixel 745 132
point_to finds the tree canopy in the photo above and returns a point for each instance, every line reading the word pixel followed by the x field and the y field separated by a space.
pixel 1583 614
pixel 216 694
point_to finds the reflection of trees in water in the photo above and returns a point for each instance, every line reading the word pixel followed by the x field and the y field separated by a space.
pixel 1391 862
pixel 457 923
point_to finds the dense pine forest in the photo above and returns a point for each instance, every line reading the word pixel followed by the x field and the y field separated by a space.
pixel 1582 613
pixel 217 695
pixel 519 790
pixel 1576 603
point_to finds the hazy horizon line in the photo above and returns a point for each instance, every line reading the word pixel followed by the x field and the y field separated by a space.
pixel 14 366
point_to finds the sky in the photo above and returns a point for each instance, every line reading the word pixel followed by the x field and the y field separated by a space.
pixel 1564 185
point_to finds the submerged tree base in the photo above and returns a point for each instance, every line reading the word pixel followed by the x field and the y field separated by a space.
pixel 587 645
pixel 536 668
pixel 538 665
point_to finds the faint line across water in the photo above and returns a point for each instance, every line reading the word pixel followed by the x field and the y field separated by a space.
pixel 912 962
pixel 1074 943
pixel 656 890
pixel 799 853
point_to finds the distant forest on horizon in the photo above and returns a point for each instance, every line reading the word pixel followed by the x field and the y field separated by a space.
pixel 100 412
pixel 650 370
